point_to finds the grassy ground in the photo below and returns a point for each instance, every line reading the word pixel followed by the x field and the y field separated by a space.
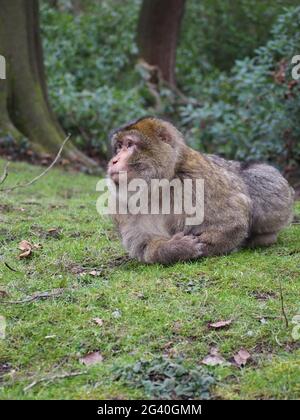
pixel 147 311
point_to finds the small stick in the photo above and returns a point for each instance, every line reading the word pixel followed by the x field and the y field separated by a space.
pixel 27 184
pixel 282 305
pixel 10 268
pixel 5 173
pixel 36 296
pixel 53 378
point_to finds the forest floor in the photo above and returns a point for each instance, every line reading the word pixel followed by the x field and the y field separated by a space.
pixel 84 321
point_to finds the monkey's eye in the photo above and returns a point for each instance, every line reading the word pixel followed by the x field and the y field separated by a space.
pixel 118 147
pixel 130 144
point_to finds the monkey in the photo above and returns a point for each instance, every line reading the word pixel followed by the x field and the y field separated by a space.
pixel 245 204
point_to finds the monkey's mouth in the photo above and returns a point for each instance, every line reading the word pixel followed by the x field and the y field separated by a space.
pixel 117 176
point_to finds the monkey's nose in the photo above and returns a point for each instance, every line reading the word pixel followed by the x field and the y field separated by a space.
pixel 115 160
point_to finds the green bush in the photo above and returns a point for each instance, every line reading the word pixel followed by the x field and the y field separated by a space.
pixel 245 114
pixel 216 33
pixel 253 113
pixel 90 59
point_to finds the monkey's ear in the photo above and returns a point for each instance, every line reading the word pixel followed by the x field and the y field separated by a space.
pixel 169 134
pixel 165 135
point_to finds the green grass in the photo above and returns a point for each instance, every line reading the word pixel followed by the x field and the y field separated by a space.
pixel 162 310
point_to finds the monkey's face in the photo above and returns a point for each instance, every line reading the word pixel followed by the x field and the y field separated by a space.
pixel 125 149
pixel 139 157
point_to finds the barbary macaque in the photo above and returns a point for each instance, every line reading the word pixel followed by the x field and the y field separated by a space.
pixel 244 204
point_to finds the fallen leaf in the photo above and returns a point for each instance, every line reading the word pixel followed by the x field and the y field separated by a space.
pixel 214 358
pixel 98 321
pixel 241 358
pixel 220 324
pixel 26 247
pixel 95 273
pixel 91 358
pixel 139 295
pixel 54 233
pixel 3 293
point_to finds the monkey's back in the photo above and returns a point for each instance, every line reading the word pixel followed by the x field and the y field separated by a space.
pixel 271 195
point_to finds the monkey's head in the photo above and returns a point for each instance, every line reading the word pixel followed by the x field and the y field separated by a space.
pixel 147 148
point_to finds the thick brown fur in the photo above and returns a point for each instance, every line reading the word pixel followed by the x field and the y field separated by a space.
pixel 244 205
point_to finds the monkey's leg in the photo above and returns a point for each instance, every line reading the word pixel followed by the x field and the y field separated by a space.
pixel 167 251
pixel 264 239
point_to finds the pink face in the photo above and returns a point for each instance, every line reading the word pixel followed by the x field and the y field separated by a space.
pixel 124 148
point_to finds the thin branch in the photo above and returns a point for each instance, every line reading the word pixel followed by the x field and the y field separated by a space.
pixel 53 378
pixel 10 268
pixel 36 296
pixel 27 184
pixel 5 173
pixel 282 305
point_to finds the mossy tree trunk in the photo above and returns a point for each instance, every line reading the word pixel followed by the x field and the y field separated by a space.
pixel 158 30
pixel 24 106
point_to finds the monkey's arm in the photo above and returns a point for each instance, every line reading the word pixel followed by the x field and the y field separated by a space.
pixel 162 249
pixel 179 247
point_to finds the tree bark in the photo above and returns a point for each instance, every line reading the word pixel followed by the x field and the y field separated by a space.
pixel 24 105
pixel 158 30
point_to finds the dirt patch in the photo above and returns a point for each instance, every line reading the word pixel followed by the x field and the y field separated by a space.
pixel 6 208
pixel 263 296
pixel 4 369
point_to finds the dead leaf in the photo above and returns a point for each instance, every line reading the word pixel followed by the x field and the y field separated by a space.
pixel 214 358
pixel 98 321
pixel 220 324
pixel 3 293
pixel 211 360
pixel 95 273
pixel 54 233
pixel 139 295
pixel 26 247
pixel 241 358
pixel 91 358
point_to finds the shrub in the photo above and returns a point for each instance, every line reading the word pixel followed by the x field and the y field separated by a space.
pixel 254 112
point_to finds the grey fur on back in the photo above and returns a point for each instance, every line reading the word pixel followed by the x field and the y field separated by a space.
pixel 272 197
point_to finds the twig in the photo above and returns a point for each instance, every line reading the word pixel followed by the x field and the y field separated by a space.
pixel 27 184
pixel 282 305
pixel 10 268
pixel 53 378
pixel 36 296
pixel 5 173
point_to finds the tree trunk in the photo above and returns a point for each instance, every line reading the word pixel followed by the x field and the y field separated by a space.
pixel 24 106
pixel 158 31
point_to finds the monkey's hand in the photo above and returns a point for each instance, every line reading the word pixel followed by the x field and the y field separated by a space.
pixel 178 248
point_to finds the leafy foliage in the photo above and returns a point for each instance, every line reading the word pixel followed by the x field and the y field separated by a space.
pixel 253 113
pixel 250 112
pixel 167 379
pixel 215 34
pixel 89 59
